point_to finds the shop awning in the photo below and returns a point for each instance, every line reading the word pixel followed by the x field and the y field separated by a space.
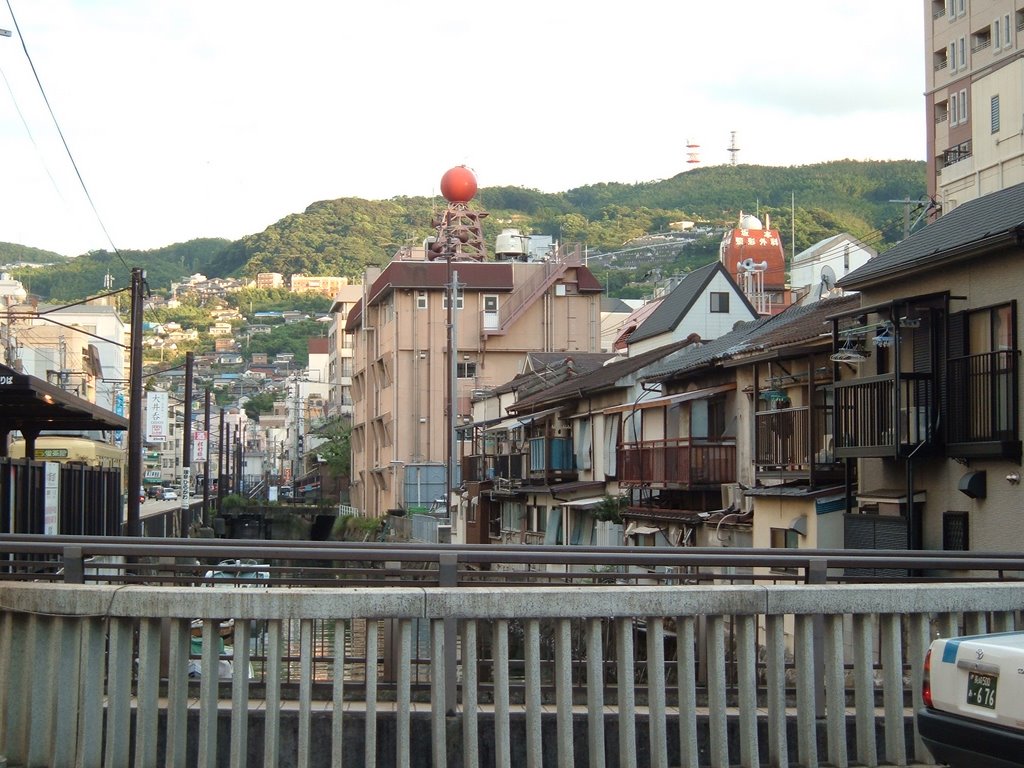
pixel 30 404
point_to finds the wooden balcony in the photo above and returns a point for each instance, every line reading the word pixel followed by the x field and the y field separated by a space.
pixel 796 443
pixel 983 412
pixel 677 463
pixel 886 415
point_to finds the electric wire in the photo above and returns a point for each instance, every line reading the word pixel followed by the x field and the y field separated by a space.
pixel 60 132
pixel 31 137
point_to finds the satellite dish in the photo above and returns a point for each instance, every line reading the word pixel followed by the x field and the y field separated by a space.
pixel 828 278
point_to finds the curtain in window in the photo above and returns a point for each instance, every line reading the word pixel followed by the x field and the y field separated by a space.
pixel 611 439
pixel 553 534
pixel 582 436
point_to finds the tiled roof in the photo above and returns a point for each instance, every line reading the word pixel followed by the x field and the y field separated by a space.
pixel 694 357
pixel 605 377
pixel 797 323
pixel 988 218
pixel 433 275
pixel 802 322
pixel 680 301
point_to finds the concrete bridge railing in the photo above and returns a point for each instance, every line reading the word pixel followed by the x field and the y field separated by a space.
pixel 597 676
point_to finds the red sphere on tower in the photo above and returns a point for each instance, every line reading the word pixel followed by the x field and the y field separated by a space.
pixel 458 185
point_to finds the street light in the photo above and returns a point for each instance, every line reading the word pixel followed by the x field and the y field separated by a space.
pixel 5 33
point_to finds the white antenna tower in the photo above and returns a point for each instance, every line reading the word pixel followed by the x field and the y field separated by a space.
pixel 733 149
pixel 692 152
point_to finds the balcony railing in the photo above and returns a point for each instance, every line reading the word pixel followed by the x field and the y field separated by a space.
pixel 551 456
pixel 983 421
pixel 956 154
pixel 490 466
pixel 874 419
pixel 782 438
pixel 677 462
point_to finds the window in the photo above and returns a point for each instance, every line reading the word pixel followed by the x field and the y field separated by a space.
pixel 994 113
pixel 458 300
pixel 951 57
pixel 961 58
pixel 996 39
pixel 421 299
pixel 784 538
pixel 490 303
pixel 954 114
pixel 961 7
pixel 1006 31
pixel 466 370
pixel 965 111
pixel 982 375
pixel 719 301
pixel 955 532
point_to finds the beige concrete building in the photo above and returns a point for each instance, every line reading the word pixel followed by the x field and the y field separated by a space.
pixel 339 367
pixel 928 400
pixel 269 280
pixel 973 98
pixel 328 286
pixel 401 369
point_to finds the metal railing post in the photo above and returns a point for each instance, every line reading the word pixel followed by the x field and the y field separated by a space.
pixel 817 572
pixel 74 565
pixel 448 576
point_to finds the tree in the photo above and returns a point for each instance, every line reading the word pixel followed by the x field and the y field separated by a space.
pixel 336 448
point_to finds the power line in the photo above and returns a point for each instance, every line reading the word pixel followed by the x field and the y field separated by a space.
pixel 67 149
pixel 32 138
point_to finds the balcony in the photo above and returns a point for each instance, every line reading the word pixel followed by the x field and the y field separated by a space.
pixel 503 466
pixel 677 463
pixel 551 458
pixel 984 423
pixel 795 443
pixel 886 415
pixel 956 154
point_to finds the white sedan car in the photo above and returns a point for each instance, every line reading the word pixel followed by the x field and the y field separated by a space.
pixel 974 701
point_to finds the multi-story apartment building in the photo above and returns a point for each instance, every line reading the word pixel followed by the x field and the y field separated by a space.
pixel 402 372
pixel 339 366
pixel 327 285
pixel 269 280
pixel 974 73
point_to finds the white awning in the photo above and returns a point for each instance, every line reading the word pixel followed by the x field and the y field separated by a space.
pixel 640 530
pixel 679 397
pixel 591 501
pixel 520 421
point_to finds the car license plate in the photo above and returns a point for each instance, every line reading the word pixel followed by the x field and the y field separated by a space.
pixel 981 690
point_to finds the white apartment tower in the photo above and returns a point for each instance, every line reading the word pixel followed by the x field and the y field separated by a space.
pixel 973 95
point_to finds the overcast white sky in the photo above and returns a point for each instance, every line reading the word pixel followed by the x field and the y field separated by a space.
pixel 216 118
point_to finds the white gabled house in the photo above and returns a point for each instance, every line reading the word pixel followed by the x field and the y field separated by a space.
pixel 706 303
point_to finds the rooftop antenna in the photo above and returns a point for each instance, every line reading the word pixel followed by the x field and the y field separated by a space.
pixel 733 149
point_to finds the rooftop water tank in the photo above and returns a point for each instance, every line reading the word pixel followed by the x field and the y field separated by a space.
pixel 511 245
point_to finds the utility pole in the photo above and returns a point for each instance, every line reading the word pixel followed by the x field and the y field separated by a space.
pixel 186 443
pixel 906 203
pixel 206 464
pixel 135 404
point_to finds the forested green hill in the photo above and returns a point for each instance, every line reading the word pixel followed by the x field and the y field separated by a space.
pixel 341 237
